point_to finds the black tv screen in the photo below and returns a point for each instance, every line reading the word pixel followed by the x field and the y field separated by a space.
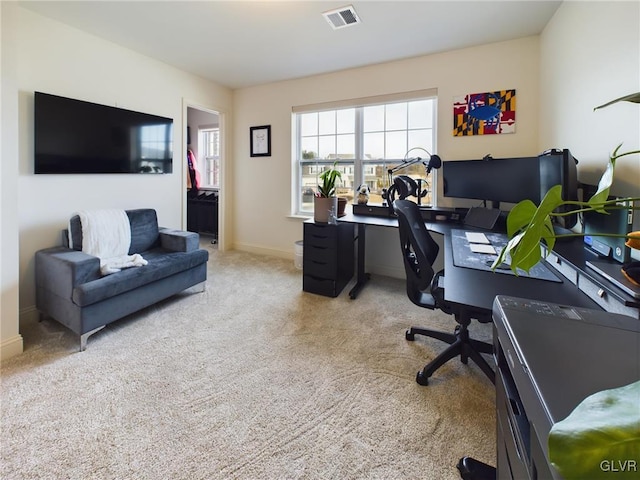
pixel 73 136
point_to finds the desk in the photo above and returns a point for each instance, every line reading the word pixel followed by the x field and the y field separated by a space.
pixel 362 221
pixel 476 289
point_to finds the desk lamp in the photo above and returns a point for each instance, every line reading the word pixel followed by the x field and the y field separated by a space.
pixel 403 186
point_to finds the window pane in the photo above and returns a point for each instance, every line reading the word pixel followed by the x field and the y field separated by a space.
pixel 396 116
pixel 346 120
pixel 344 186
pixel 420 138
pixel 327 122
pixel 327 147
pixel 308 124
pixel 373 118
pixel 421 114
pixel 208 162
pixel 309 147
pixel 376 177
pixel 346 146
pixel 309 185
pixel 396 144
pixel 373 145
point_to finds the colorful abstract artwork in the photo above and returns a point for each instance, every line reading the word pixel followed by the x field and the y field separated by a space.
pixel 487 113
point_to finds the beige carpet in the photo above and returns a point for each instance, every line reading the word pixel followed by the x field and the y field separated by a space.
pixel 253 379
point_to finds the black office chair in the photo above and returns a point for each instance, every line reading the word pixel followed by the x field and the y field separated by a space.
pixel 425 288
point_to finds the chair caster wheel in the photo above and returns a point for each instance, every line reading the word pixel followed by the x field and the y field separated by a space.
pixel 421 379
pixel 409 336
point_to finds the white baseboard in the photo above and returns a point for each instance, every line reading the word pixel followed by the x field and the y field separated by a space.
pixel 245 247
pixel 386 270
pixel 29 315
pixel 376 269
pixel 11 347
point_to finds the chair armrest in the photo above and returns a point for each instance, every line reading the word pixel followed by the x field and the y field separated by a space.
pixel 179 240
pixel 60 270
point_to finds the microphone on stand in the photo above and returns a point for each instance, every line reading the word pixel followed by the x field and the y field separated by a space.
pixel 434 162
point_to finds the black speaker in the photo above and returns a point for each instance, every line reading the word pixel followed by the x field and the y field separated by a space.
pixel 558 167
pixel 617 221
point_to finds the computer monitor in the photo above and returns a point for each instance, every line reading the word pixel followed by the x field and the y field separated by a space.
pixel 559 167
pixel 512 180
pixel 496 180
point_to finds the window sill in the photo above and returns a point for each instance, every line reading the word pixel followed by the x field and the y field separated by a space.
pixel 300 216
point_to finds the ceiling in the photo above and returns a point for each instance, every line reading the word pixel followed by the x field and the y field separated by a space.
pixel 244 43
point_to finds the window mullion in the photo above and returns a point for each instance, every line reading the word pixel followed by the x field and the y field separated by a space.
pixel 358 167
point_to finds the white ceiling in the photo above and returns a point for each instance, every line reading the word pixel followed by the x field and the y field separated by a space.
pixel 243 43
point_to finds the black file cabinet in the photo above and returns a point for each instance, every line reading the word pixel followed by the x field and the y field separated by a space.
pixel 327 259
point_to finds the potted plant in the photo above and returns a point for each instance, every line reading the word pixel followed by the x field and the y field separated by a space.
pixel 528 224
pixel 325 205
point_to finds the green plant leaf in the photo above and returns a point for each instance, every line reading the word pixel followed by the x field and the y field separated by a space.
pixel 329 178
pixel 520 216
pixel 534 225
pixel 602 194
pixel 633 97
pixel 602 432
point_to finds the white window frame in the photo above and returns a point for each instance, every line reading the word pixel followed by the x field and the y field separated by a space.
pixel 206 160
pixel 359 164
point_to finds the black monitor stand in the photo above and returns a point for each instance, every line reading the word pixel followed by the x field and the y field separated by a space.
pixel 483 217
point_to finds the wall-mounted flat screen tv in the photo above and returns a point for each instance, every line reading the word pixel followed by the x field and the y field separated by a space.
pixel 73 136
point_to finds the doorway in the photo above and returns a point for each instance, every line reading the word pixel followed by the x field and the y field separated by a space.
pixel 204 185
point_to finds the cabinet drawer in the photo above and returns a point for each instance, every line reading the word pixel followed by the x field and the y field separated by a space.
pixel 321 286
pixel 320 236
pixel 603 298
pixel 322 268
pixel 321 254
pixel 562 266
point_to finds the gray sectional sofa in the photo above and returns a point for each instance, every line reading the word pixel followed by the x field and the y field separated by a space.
pixel 71 289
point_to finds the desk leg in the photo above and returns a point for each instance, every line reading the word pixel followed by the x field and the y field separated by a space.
pixel 362 276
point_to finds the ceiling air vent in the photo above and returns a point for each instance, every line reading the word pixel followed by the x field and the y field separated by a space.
pixel 342 17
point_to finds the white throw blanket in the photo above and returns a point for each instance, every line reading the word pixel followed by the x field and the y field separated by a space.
pixel 106 234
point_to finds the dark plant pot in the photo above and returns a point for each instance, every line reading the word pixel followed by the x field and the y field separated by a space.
pixel 342 204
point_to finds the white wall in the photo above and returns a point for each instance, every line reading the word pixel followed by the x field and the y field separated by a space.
pixel 43 55
pixel 10 338
pixel 590 54
pixel 265 226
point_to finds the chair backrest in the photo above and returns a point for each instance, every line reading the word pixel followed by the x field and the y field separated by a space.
pixel 419 251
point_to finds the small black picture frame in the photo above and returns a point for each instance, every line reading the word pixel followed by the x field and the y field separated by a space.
pixel 260 141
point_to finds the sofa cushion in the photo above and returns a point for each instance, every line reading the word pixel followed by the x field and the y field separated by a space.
pixel 161 263
pixel 144 230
